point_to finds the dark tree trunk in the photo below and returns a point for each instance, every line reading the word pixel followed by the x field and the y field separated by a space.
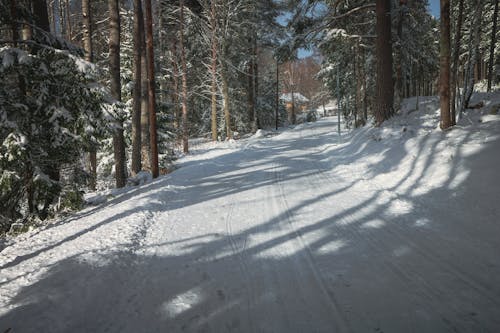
pixel 114 69
pixel 444 62
pixel 136 112
pixel 385 88
pixel 151 90
pixel 13 22
pixel 492 46
pixel 185 124
pixel 399 52
pixel 145 150
pixel 41 15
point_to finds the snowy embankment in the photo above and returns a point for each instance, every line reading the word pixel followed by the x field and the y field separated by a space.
pixel 391 229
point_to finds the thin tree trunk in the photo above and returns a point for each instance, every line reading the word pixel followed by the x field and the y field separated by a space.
pixel 185 124
pixel 214 70
pixel 357 76
pixel 151 90
pixel 175 79
pixel 251 87
pixel 114 68
pixel 227 113
pixel 136 111
pixel 67 13
pixel 277 93
pixel 145 142
pixel 89 56
pixel 456 52
pixel 365 95
pixel 474 48
pixel 492 46
pixel 385 88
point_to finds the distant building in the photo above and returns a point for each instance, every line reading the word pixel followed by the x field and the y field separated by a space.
pixel 300 102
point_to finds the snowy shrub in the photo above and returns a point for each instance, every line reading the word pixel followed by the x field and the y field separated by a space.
pixel 50 112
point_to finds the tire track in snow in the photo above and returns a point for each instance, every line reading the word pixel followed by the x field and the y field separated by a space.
pixel 241 259
pixel 339 319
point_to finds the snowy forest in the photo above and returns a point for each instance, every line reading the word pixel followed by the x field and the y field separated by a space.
pixel 276 147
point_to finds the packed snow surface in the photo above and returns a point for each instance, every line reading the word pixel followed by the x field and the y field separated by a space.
pixel 390 229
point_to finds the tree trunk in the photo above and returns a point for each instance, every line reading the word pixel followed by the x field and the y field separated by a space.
pixel 67 21
pixel 492 46
pixel 145 142
pixel 473 55
pixel 456 52
pixel 399 52
pixel 251 86
pixel 13 22
pixel 227 113
pixel 256 82
pixel 151 90
pixel 89 56
pixel 136 111
pixel 277 93
pixel 114 69
pixel 385 88
pixel 185 124
pixel 214 70
pixel 175 83
pixel 444 63
pixel 41 15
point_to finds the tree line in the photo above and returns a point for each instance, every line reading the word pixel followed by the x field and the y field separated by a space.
pixel 94 91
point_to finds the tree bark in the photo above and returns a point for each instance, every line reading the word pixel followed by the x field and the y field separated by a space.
pixel 41 15
pixel 214 70
pixel 227 113
pixel 151 90
pixel 137 93
pixel 114 69
pixel 492 46
pixel 185 124
pixel 67 21
pixel 145 142
pixel 89 56
pixel 456 52
pixel 444 62
pixel 385 88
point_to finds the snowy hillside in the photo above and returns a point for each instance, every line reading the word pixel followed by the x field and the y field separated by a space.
pixel 390 229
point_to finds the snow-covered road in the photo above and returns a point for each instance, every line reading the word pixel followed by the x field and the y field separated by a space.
pixel 294 233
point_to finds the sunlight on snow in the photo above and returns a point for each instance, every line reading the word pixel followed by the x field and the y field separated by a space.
pixel 422 222
pixel 331 247
pixel 400 207
pixel 374 224
pixel 182 302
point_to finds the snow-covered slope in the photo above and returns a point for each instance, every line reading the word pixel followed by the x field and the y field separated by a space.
pixel 391 229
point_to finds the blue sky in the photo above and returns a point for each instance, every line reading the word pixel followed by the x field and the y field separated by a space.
pixel 434 7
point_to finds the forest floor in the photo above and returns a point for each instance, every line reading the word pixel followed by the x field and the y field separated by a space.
pixel 390 229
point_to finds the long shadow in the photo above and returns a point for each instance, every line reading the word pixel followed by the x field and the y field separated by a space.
pixel 346 274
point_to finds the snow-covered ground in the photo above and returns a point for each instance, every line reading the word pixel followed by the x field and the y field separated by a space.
pixel 391 229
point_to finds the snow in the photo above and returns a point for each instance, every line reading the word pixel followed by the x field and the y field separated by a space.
pixel 390 229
